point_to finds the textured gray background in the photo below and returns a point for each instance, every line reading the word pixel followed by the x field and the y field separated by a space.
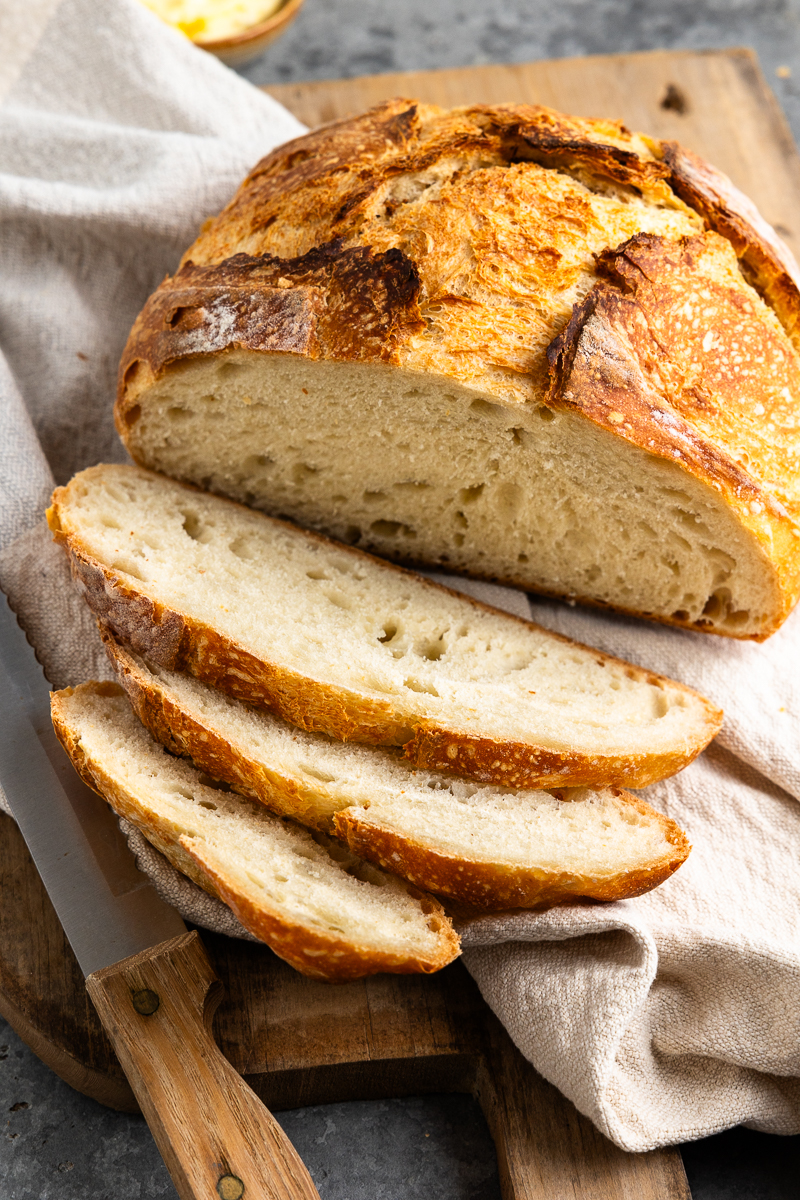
pixel 56 1145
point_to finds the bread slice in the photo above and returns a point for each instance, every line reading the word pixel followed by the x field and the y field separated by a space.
pixel 335 641
pixel 500 340
pixel 328 913
pixel 474 843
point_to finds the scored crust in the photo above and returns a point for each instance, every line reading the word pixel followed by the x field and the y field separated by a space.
pixel 323 255
pixel 180 642
pixel 310 951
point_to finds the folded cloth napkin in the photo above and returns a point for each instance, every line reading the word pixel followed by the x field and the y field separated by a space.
pixel 664 1018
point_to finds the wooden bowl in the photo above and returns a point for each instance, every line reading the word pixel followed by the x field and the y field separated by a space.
pixel 250 42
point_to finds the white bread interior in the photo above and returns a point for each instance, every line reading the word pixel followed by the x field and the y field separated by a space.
pixel 469 841
pixel 420 468
pixel 317 905
pixel 349 632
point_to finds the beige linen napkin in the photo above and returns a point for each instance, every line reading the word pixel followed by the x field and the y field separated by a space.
pixel 663 1018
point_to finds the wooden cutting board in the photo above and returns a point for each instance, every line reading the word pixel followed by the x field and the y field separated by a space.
pixel 298 1041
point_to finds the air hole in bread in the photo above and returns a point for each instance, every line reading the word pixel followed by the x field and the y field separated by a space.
pixel 486 408
pixel 389 632
pixel 227 370
pixel 317 773
pixel 735 619
pixel 176 413
pixel 416 685
pixel 392 529
pixel 133 414
pixel 127 568
pixel 244 548
pixel 469 495
pixel 432 651
pixel 413 485
pixel 110 523
pixel 352 534
pixel 207 804
pixel 373 497
pixel 339 599
pixel 545 414
pixel 302 472
pixel 186 792
pixel 194 528
pixel 439 785
pixel 717 605
pixel 218 785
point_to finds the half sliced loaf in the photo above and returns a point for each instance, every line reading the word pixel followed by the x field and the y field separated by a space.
pixel 479 845
pixel 501 340
pixel 336 641
pixel 326 912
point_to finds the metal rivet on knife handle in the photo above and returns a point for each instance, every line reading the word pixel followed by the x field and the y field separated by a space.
pixel 145 1002
pixel 230 1187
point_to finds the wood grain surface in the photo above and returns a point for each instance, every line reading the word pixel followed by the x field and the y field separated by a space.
pixel 297 1041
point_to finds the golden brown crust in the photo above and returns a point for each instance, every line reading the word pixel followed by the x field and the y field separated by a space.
pixel 519 765
pixel 180 642
pixel 597 150
pixel 320 955
pixel 458 286
pixel 309 951
pixel 182 734
pixel 485 886
pixel 346 186
pixel 331 302
pixel 768 263
pixel 677 375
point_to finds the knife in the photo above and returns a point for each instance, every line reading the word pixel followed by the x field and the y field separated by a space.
pixel 150 981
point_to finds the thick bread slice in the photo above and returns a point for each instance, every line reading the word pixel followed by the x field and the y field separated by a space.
pixel 335 641
pixel 513 343
pixel 326 912
pixel 471 842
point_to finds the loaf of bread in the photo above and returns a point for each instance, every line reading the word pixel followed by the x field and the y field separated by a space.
pixel 527 347
pixel 318 906
pixel 335 641
pixel 476 844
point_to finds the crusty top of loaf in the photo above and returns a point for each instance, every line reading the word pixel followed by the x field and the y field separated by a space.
pixel 484 244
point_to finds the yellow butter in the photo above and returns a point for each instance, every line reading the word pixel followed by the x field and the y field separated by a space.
pixel 213 20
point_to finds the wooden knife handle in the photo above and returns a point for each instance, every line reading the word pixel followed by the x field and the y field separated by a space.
pixel 218 1140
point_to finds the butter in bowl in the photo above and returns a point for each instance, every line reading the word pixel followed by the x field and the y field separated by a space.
pixel 234 30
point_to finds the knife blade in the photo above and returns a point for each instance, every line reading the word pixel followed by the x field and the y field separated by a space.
pixel 108 908
pixel 150 980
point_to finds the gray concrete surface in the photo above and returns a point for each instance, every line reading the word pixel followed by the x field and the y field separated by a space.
pixel 335 38
pixel 56 1145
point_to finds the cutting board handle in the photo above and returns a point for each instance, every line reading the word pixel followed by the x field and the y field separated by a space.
pixel 547 1150
pixel 218 1140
